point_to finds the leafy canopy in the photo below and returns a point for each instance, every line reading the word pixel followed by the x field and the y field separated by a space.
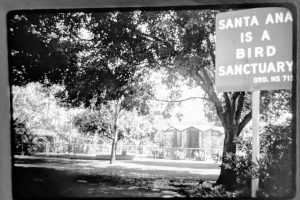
pixel 96 56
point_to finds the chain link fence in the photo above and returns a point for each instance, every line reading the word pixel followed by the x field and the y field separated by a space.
pixel 158 152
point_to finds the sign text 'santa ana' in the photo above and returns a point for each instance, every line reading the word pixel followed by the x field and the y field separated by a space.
pixel 254 49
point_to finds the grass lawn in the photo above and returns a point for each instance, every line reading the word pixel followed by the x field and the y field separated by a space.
pixel 62 178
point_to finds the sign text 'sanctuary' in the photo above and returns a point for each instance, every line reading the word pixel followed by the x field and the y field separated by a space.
pixel 254 49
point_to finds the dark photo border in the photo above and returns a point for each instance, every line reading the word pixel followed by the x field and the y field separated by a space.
pixel 8 7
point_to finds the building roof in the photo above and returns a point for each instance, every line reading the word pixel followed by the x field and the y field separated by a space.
pixel 182 127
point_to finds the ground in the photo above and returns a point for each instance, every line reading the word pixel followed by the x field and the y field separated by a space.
pixel 57 177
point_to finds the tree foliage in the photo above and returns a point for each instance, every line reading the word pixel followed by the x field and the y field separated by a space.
pixel 131 125
pixel 34 111
pixel 95 55
pixel 36 107
pixel 41 45
pixel 105 64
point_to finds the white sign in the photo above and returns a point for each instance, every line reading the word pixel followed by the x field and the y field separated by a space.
pixel 254 49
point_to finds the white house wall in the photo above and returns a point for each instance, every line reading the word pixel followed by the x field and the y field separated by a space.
pixel 200 139
pixel 184 138
pixel 179 138
pixel 207 139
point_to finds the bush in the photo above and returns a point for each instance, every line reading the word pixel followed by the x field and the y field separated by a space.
pixel 199 155
pixel 275 166
pixel 179 154
pixel 158 154
pixel 31 144
pixel 25 141
pixel 241 166
pixel 208 190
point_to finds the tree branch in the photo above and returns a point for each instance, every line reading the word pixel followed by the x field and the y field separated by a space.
pixel 244 122
pixel 208 90
pixel 207 79
pixel 211 95
pixel 227 100
pixel 228 111
pixel 211 50
pixel 235 95
pixel 181 100
pixel 108 136
pixel 157 39
pixel 239 107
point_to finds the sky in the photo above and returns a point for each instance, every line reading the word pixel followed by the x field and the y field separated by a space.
pixel 190 110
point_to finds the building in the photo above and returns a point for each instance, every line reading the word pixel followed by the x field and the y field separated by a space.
pixel 208 137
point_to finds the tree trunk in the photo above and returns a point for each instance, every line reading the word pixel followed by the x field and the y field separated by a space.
pixel 228 176
pixel 114 148
pixel 115 131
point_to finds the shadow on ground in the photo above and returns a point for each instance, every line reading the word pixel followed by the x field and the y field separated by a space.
pixel 37 183
pixel 35 178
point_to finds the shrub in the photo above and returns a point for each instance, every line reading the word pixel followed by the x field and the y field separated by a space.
pixel 25 142
pixel 208 190
pixel 179 154
pixel 241 166
pixel 276 163
pixel 199 155
pixel 275 166
pixel 158 154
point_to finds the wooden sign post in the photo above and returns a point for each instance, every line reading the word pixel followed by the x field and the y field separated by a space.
pixel 254 53
pixel 255 138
